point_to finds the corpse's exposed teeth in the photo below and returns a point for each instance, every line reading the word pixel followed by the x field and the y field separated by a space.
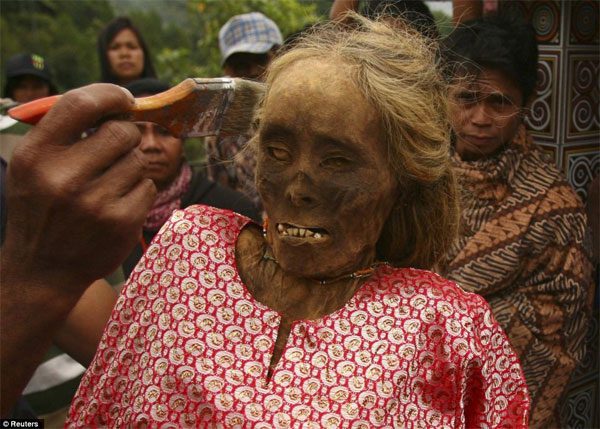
pixel 286 229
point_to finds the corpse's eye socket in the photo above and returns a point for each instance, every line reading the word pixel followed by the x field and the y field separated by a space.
pixel 279 154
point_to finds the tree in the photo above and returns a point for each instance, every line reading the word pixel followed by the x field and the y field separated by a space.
pixel 64 32
pixel 443 22
pixel 182 34
pixel 206 17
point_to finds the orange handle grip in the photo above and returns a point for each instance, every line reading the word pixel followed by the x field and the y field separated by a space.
pixel 144 109
pixel 32 112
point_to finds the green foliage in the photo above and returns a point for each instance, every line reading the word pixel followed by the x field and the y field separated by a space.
pixel 64 32
pixel 443 22
pixel 182 34
pixel 210 15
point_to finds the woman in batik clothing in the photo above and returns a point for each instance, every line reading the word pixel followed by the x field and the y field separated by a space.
pixel 523 240
pixel 326 316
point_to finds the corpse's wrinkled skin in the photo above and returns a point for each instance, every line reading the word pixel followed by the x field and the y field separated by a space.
pixel 327 188
pixel 321 165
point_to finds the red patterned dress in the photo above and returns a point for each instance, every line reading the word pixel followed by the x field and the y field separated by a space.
pixel 188 346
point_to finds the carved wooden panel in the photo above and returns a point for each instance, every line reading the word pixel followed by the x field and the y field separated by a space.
pixel 542 119
pixel 582 95
pixel 564 121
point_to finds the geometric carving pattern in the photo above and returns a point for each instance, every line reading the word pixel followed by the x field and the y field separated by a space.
pixel 545 18
pixel 580 410
pixel 583 95
pixel 584 23
pixel 581 165
pixel 589 364
pixel 565 124
pixel 540 119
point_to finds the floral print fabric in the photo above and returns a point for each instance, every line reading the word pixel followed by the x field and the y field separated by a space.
pixel 188 346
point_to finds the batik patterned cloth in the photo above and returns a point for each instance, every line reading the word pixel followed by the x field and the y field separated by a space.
pixel 188 346
pixel 524 247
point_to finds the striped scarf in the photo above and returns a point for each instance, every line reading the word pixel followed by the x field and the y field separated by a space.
pixel 169 199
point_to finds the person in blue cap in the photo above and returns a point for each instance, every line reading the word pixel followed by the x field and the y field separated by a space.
pixel 248 42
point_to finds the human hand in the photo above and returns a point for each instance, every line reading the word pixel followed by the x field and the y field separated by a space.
pixel 76 206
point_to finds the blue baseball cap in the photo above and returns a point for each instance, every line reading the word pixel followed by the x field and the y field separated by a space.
pixel 250 32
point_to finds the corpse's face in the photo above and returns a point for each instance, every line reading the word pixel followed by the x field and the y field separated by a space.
pixel 322 171
pixel 126 56
pixel 486 113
